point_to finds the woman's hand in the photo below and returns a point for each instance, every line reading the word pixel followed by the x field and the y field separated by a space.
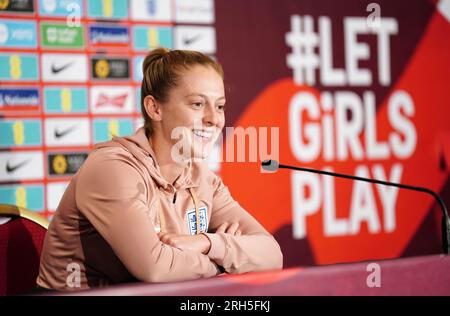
pixel 199 243
pixel 232 229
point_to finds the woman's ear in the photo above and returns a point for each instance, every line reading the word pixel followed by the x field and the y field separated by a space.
pixel 153 108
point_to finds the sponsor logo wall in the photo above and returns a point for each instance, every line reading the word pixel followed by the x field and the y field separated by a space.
pixel 348 93
pixel 70 74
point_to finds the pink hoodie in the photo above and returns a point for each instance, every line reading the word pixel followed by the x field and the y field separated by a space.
pixel 105 228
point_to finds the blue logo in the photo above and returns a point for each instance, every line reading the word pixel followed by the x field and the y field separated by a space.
pixel 20 133
pixel 150 37
pixel 151 7
pixel 28 196
pixel 18 34
pixel 65 100
pixel 111 35
pixel 60 8
pixel 106 129
pixel 12 98
pixel 137 67
pixel 108 9
pixel 21 67
pixel 192 220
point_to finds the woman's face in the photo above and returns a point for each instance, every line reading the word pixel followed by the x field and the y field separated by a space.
pixel 193 116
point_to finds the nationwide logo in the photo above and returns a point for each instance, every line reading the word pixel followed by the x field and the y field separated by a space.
pixel 65 100
pixel 60 8
pixel 19 6
pixel 26 165
pixel 65 163
pixel 20 133
pixel 19 99
pixel 18 67
pixel 200 38
pixel 57 35
pixel 67 132
pixel 64 67
pixel 151 10
pixel 111 100
pixel 19 33
pixel 149 37
pixel 110 68
pixel 108 9
pixel 102 35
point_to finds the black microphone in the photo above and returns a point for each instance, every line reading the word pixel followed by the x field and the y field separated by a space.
pixel 273 165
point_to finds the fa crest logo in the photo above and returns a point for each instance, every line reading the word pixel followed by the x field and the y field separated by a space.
pixel 192 220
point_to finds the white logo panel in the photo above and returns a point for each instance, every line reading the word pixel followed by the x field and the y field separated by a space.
pixel 21 166
pixel 64 68
pixel 200 38
pixel 111 99
pixel 67 132
pixel 194 11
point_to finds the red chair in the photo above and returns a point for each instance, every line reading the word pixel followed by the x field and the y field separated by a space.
pixel 21 241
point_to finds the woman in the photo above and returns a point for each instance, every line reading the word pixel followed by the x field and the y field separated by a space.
pixel 131 210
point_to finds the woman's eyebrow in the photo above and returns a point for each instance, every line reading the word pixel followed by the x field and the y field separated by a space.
pixel 203 96
pixel 196 95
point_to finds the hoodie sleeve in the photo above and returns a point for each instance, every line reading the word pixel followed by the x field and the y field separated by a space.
pixel 254 250
pixel 110 192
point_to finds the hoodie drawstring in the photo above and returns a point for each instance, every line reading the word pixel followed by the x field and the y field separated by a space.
pixel 197 213
pixel 174 197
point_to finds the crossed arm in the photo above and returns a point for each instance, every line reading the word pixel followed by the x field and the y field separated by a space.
pixel 199 243
pixel 236 241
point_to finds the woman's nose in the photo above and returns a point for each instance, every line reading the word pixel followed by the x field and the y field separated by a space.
pixel 211 116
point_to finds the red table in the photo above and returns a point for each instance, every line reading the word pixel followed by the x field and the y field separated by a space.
pixel 428 275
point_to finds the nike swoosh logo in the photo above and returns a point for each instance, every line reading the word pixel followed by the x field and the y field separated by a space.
pixel 56 69
pixel 59 134
pixel 10 169
pixel 190 40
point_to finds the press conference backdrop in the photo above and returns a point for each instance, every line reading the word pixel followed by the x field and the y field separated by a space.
pixel 355 86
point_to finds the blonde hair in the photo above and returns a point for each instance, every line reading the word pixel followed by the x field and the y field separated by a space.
pixel 162 69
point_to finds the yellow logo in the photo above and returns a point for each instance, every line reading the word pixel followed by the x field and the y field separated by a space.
pixel 113 128
pixel 108 8
pixel 102 68
pixel 4 4
pixel 60 164
pixel 15 67
pixel 66 100
pixel 152 37
pixel 21 197
pixel 19 133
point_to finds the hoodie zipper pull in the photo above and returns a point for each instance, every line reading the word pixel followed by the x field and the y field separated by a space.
pixel 174 197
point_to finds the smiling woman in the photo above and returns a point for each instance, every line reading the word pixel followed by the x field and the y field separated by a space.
pixel 143 208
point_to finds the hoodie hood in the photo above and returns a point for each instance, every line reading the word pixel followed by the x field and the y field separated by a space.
pixel 139 146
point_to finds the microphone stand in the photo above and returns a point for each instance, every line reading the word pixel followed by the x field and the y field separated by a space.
pixel 445 218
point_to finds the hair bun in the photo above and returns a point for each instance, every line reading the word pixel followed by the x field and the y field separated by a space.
pixel 153 57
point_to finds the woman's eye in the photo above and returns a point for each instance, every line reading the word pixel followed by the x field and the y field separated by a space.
pixel 221 107
pixel 197 104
